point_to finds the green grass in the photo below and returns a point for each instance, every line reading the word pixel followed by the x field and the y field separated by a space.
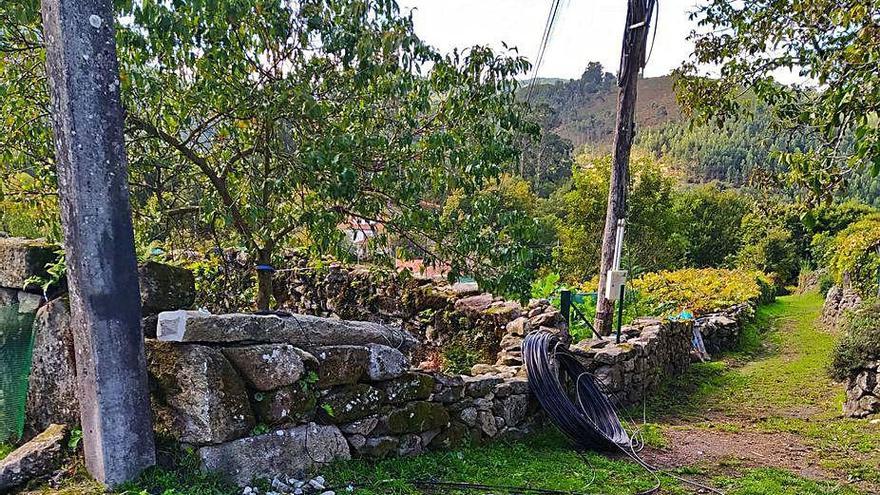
pixel 5 449
pixel 777 382
pixel 777 482
pixel 543 460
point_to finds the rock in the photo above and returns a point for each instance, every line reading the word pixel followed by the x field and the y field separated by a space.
pixel 199 398
pixel 512 386
pixel 478 386
pixel 377 447
pixel 547 318
pixel 513 409
pixel 362 427
pixel 303 331
pixel 346 404
pixel 456 435
pixel 282 451
pixel 37 458
pixel 410 445
pixel 267 366
pixel 52 389
pixel 468 416
pixel 447 389
pixel 165 287
pixel 21 259
pixel 385 363
pixel 465 289
pixel 519 327
pixel 286 405
pixel 474 304
pixel 486 423
pixel 408 388
pixel 417 417
pixel 341 364
pixel 29 303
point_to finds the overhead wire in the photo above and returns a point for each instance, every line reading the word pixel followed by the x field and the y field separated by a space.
pixel 552 17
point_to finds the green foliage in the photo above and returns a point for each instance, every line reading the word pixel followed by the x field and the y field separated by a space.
pixel 654 239
pixel 832 42
pixel 287 119
pixel 545 287
pixel 75 438
pixel 56 274
pixel 710 219
pixel 770 242
pixel 223 281
pixel 852 254
pixel 701 290
pixel 498 235
pixel 743 150
pixel 458 358
pixel 5 449
pixel 860 344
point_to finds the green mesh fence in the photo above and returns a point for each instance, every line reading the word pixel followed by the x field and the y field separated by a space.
pixel 16 344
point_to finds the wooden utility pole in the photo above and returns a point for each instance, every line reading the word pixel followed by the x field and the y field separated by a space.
pixel 632 60
pixel 87 120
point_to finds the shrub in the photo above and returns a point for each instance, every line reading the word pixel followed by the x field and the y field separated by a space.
pixel 701 290
pixel 861 342
pixel 852 254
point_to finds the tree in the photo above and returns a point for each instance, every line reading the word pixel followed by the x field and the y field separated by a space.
pixel 274 119
pixel 834 44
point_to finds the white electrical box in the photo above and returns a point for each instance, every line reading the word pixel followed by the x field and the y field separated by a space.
pixel 613 282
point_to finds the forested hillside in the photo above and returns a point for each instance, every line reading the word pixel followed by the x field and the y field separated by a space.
pixel 585 108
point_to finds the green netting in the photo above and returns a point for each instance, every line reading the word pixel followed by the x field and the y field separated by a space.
pixel 16 344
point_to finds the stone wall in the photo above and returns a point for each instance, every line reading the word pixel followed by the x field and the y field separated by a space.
pixel 863 392
pixel 838 301
pixel 254 405
pixel 440 315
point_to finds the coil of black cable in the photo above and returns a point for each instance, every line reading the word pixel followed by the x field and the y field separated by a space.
pixel 569 394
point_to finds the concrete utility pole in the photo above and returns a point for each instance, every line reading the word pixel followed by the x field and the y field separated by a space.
pixel 635 40
pixel 87 119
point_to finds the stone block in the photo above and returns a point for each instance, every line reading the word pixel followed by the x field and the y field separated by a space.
pixel 198 397
pixel 417 417
pixel 408 388
pixel 21 259
pixel 348 403
pixel 290 450
pixel 341 364
pixel 481 385
pixel 385 363
pixel 267 366
pixel 52 388
pixel 292 404
pixel 165 287
pixel 39 457
pixel 302 331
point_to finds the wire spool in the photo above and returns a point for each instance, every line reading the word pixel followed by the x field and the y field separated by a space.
pixel 570 395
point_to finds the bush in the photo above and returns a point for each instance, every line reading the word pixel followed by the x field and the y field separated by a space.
pixel 861 342
pixel 852 255
pixel 702 291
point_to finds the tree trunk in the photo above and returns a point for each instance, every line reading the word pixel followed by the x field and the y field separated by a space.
pixel 632 60
pixel 264 279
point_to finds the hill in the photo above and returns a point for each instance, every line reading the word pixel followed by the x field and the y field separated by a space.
pixel 583 110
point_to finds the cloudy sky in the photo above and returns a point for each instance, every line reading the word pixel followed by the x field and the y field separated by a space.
pixel 587 30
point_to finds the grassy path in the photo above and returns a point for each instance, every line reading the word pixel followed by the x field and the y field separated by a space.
pixel 770 405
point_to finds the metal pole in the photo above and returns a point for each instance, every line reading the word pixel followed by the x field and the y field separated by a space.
pixel 565 306
pixel 620 312
pixel 87 119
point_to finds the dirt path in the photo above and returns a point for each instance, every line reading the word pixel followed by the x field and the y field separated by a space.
pixel 770 405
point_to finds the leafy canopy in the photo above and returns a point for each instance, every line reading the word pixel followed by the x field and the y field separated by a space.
pixel 270 121
pixel 834 44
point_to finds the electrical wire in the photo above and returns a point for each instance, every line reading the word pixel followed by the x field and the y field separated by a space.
pixel 589 421
pixel 552 16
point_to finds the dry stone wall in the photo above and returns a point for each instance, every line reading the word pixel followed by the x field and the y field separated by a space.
pixel 242 401
pixel 351 373
pixel 863 392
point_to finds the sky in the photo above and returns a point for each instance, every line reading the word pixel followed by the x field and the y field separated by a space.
pixel 587 30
